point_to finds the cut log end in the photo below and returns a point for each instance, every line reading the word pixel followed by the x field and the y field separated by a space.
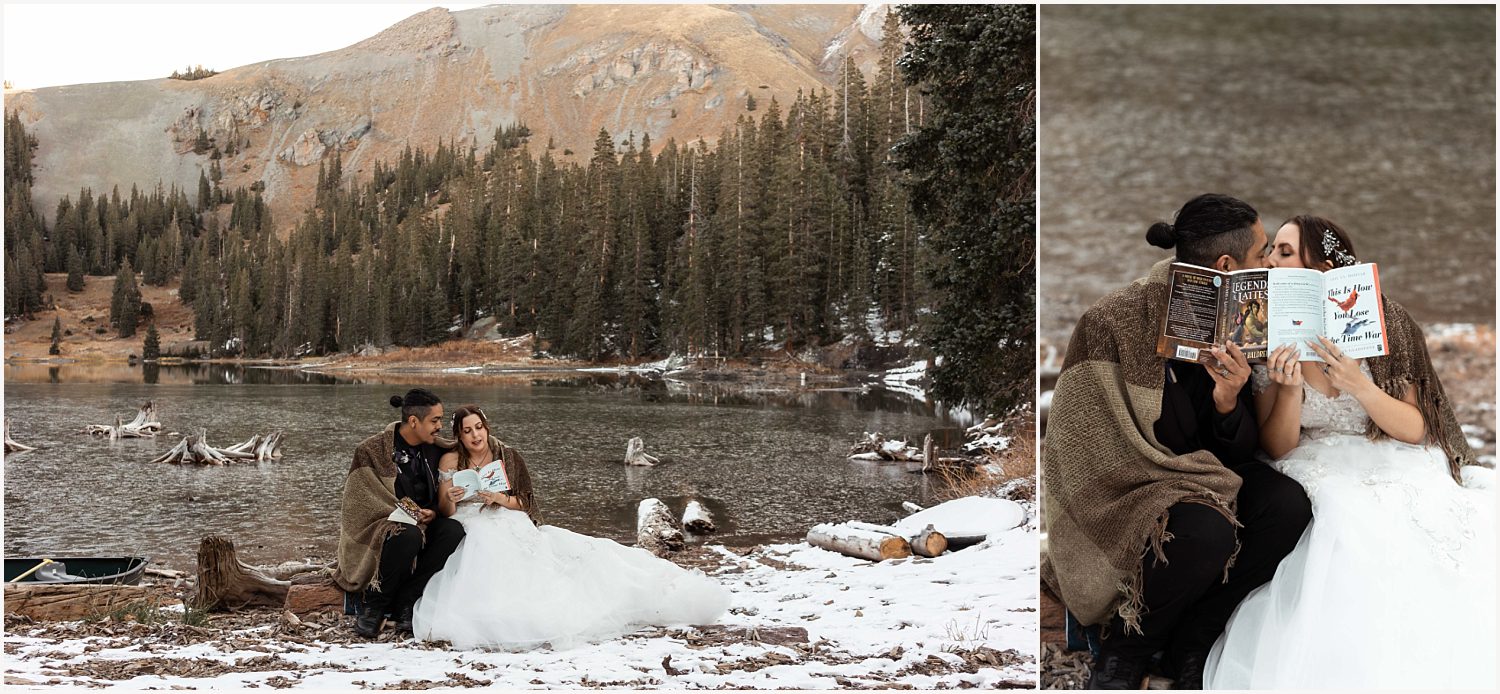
pixel 858 542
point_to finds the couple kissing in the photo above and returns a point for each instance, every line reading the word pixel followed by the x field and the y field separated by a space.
pixel 1301 524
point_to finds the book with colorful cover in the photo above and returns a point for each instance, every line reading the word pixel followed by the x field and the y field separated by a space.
pixel 407 511
pixel 1260 309
pixel 490 478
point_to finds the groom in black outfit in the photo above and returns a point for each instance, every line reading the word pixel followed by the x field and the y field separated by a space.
pixel 410 557
pixel 1188 599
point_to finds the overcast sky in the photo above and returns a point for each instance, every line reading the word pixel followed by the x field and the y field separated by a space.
pixel 53 44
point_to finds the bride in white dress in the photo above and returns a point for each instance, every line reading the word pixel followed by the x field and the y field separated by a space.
pixel 1393 583
pixel 514 585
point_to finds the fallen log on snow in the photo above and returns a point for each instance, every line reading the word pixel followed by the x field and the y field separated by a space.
pixel 143 426
pixel 225 583
pixel 635 453
pixel 927 542
pixel 855 542
pixel 11 445
pixel 697 519
pixel 66 602
pixel 656 529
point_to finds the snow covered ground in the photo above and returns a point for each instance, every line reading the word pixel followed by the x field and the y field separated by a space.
pixel 964 619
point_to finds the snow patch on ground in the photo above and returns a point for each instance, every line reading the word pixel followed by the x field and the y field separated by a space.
pixel 964 619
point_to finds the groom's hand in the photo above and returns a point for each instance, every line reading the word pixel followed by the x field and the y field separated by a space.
pixel 425 516
pixel 1229 369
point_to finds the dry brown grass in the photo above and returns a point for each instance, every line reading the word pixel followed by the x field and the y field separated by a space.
pixel 1017 462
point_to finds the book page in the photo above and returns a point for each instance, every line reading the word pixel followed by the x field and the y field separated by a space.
pixel 1295 296
pixel 1353 318
pixel 469 481
pixel 1244 319
pixel 1191 323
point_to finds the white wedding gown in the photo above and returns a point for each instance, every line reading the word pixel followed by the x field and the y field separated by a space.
pixel 1392 584
pixel 512 585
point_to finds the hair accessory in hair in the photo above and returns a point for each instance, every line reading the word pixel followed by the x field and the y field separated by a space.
pixel 1334 250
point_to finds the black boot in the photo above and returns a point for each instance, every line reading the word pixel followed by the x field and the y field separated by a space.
pixel 367 622
pixel 403 620
pixel 1190 671
pixel 1116 671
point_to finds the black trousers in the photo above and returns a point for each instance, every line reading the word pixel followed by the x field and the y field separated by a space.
pixel 1186 599
pixel 408 560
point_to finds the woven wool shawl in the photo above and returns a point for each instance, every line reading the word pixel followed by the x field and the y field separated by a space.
pixel 1408 365
pixel 369 497
pixel 1107 481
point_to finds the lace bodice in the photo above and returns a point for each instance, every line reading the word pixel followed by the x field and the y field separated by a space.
pixel 1322 415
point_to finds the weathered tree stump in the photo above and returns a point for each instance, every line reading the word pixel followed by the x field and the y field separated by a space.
pixel 11 445
pixel 656 529
pixel 66 602
pixel 225 583
pixel 635 453
pixel 194 449
pixel 696 519
pixel 875 447
pixel 854 542
pixel 143 426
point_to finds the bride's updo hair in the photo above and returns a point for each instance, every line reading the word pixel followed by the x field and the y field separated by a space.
pixel 1322 240
pixel 1208 226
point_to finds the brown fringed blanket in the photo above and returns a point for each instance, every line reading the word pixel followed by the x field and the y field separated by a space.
pixel 369 497
pixel 1108 483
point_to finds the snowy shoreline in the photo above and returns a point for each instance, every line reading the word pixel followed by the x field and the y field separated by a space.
pixel 963 619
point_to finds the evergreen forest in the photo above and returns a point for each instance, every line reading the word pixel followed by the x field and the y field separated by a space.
pixel 899 201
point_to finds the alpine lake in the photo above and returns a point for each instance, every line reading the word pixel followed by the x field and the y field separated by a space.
pixel 767 462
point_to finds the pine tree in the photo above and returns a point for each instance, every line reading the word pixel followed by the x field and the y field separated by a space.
pixel 125 303
pixel 75 270
pixel 151 349
pixel 56 336
pixel 973 189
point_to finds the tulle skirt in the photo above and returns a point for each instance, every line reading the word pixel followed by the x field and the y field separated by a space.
pixel 511 585
pixel 1391 586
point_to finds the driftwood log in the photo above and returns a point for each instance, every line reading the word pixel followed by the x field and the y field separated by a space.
pixel 927 542
pixel 225 583
pixel 11 445
pixel 876 447
pixel 696 519
pixel 854 542
pixel 143 426
pixel 67 602
pixel 258 448
pixel 194 449
pixel 656 529
pixel 635 453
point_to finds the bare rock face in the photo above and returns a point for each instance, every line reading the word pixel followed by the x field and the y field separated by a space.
pixel 671 71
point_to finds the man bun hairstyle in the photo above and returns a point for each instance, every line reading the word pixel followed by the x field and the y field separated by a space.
pixel 1208 226
pixel 416 403
pixel 1161 235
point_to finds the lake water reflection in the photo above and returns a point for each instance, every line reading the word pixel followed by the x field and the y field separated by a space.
pixel 768 463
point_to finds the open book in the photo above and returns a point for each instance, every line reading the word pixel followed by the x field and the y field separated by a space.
pixel 1261 309
pixel 407 511
pixel 490 478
